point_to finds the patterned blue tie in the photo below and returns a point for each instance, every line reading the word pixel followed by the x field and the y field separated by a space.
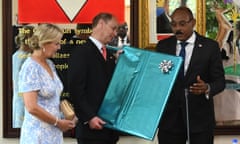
pixel 182 54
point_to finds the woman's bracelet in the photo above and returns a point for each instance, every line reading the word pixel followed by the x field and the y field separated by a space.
pixel 56 122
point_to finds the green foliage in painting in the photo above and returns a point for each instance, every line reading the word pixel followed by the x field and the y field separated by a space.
pixel 212 24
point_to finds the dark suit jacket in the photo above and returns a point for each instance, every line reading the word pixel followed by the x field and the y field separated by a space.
pixel 206 62
pixel 88 78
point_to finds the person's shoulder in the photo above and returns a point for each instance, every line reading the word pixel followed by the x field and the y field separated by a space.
pixel 208 42
pixel 80 47
pixel 81 50
pixel 164 44
pixel 168 39
pixel 30 65
pixel 85 43
pixel 29 60
pixel 20 53
pixel 15 54
pixel 204 38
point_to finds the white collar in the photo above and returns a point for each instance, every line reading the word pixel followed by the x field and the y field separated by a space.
pixel 96 42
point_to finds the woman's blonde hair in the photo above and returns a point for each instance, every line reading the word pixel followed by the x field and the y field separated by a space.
pixel 45 33
pixel 22 39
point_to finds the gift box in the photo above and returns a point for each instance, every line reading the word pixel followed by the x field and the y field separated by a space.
pixel 138 91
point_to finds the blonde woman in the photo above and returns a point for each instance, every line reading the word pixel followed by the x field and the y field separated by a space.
pixel 18 58
pixel 41 89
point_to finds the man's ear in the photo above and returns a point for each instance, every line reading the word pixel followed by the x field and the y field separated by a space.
pixel 193 22
pixel 101 22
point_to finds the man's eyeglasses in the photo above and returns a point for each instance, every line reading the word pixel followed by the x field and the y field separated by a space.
pixel 181 23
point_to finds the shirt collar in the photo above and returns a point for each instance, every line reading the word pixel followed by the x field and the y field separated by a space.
pixel 96 42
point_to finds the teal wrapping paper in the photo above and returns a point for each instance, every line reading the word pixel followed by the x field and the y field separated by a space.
pixel 138 91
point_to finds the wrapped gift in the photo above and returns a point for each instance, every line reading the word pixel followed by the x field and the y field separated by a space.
pixel 139 89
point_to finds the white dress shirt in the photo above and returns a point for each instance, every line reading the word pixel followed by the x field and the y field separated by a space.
pixel 189 49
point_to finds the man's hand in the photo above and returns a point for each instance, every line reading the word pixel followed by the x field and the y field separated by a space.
pixel 199 87
pixel 96 123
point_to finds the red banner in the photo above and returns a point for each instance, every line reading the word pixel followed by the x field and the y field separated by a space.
pixel 67 11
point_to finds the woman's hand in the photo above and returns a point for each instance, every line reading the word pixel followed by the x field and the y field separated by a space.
pixel 65 125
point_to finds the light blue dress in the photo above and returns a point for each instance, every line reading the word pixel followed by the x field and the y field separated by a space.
pixel 33 77
pixel 17 103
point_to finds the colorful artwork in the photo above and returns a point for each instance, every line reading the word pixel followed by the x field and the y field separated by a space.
pixel 228 18
pixel 164 9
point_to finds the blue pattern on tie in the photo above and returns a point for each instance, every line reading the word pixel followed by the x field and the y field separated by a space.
pixel 182 54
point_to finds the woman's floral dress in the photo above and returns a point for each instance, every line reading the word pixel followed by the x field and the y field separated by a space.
pixel 33 77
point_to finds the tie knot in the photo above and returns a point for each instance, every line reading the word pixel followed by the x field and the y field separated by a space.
pixel 103 48
pixel 183 44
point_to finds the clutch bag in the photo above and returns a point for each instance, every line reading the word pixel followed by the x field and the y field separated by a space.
pixel 67 109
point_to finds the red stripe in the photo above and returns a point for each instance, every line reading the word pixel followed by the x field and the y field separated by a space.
pixel 42 11
pixel 161 37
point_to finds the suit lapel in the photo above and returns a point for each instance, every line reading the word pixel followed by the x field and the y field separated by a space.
pixel 195 54
pixel 172 46
pixel 97 52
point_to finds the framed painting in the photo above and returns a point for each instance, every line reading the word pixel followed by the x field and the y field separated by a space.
pixel 223 25
pixel 149 12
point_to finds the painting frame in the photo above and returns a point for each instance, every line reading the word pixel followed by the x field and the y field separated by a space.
pixel 147 22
